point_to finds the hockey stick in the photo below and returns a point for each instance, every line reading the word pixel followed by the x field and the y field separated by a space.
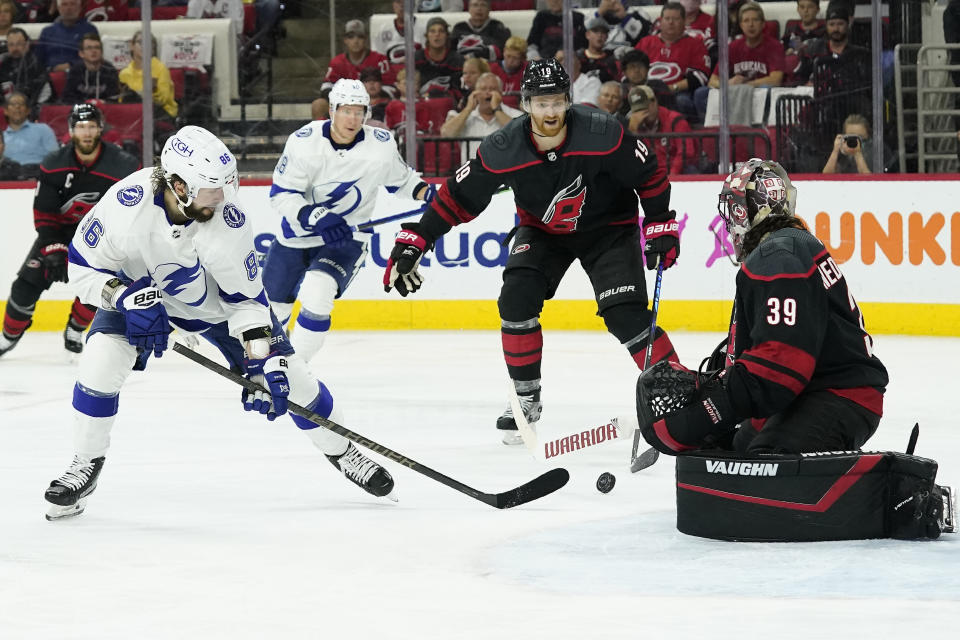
pixel 537 488
pixel 397 216
pixel 648 457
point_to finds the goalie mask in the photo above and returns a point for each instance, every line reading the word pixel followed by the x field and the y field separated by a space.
pixel 349 92
pixel 760 189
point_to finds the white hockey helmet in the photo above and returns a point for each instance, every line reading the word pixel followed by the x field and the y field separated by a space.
pixel 346 92
pixel 201 161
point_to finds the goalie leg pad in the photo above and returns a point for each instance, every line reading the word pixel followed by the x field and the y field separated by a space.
pixel 811 497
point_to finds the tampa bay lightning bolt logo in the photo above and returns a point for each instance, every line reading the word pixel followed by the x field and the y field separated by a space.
pixel 130 196
pixel 304 132
pixel 233 216
pixel 187 284
pixel 381 135
pixel 339 197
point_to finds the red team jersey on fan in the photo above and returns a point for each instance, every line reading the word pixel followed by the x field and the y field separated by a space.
pixel 510 82
pixel 755 62
pixel 341 67
pixel 671 62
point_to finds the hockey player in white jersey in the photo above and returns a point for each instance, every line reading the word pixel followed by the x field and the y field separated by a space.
pixel 326 182
pixel 169 247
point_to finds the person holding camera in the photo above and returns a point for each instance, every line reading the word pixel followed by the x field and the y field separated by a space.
pixel 853 149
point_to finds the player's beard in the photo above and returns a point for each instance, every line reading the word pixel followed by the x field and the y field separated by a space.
pixel 85 149
pixel 542 128
pixel 200 214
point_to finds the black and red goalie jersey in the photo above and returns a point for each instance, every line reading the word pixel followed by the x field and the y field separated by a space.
pixel 67 188
pixel 590 181
pixel 796 327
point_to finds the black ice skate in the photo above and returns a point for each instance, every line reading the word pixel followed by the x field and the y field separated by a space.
pixel 68 493
pixel 532 408
pixel 364 472
pixel 73 339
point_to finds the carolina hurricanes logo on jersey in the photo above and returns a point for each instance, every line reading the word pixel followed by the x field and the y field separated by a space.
pixel 339 197
pixel 187 284
pixel 77 206
pixel 565 208
pixel 665 71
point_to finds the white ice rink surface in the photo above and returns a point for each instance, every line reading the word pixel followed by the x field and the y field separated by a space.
pixel 212 523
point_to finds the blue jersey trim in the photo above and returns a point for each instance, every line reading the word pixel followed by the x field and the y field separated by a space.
pixel 325 128
pixel 94 403
pixel 234 298
pixel 74 257
pixel 274 190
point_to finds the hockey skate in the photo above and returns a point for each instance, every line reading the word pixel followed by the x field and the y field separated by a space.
pixel 364 472
pixel 6 344
pixel 507 423
pixel 68 493
pixel 948 516
pixel 72 339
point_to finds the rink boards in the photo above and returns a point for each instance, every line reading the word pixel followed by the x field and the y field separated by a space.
pixel 897 240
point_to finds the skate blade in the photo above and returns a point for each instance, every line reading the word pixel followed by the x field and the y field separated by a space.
pixel 949 510
pixel 56 512
pixel 392 496
pixel 512 438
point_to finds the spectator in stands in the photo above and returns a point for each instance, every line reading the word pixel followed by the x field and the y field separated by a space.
pixel 636 68
pixel 853 149
pixel 610 99
pixel 21 71
pixel 510 69
pixel 34 11
pixel 595 58
pixel 479 36
pixel 699 24
pixel 627 28
pixel 807 27
pixel 104 10
pixel 389 40
pixel 320 108
pixel 92 78
pixel 836 47
pixel 60 41
pixel 439 64
pixel 230 9
pixel 647 118
pixel 372 79
pixel 472 70
pixel 397 109
pixel 585 87
pixel 131 81
pixel 546 34
pixel 678 59
pixel 356 57
pixel 26 142
pixel 11 169
pixel 483 113
pixel 8 12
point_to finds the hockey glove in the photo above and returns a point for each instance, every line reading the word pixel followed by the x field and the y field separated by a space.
pixel 402 266
pixel 429 193
pixel 331 227
pixel 54 259
pixel 271 374
pixel 147 322
pixel 662 242
pixel 677 414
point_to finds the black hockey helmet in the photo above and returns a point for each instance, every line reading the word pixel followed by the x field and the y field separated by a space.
pixel 85 112
pixel 760 189
pixel 544 77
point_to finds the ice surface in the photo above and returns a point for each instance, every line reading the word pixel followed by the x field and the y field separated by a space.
pixel 212 523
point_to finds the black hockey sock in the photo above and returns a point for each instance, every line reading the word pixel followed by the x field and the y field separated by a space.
pixel 16 320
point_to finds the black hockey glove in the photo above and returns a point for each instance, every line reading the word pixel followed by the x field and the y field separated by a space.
pixel 678 414
pixel 662 242
pixel 401 272
pixel 54 258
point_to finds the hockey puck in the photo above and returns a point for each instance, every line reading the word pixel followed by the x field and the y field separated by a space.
pixel 605 482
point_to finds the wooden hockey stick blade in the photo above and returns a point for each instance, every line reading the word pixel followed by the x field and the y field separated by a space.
pixel 527 433
pixel 644 460
pixel 535 489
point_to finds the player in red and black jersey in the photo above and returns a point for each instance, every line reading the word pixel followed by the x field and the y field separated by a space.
pixel 72 180
pixel 799 370
pixel 576 175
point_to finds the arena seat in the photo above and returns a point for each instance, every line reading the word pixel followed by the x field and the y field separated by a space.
pixel 512 5
pixel 58 81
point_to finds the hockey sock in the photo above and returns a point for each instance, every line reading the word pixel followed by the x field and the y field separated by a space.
pixel 662 348
pixel 310 334
pixel 81 315
pixel 522 348
pixel 16 319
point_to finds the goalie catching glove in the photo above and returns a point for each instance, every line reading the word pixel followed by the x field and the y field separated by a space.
pixel 401 272
pixel 678 412
pixel 269 370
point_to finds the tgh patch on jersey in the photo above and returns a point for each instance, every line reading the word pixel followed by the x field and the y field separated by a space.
pixel 130 196
pixel 233 216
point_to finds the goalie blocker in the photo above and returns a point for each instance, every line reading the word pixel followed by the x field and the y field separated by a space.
pixel 847 495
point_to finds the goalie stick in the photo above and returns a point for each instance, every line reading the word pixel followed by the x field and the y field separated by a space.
pixel 650 456
pixel 539 487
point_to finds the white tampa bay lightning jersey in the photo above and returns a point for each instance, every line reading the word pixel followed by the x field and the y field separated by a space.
pixel 345 180
pixel 208 271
